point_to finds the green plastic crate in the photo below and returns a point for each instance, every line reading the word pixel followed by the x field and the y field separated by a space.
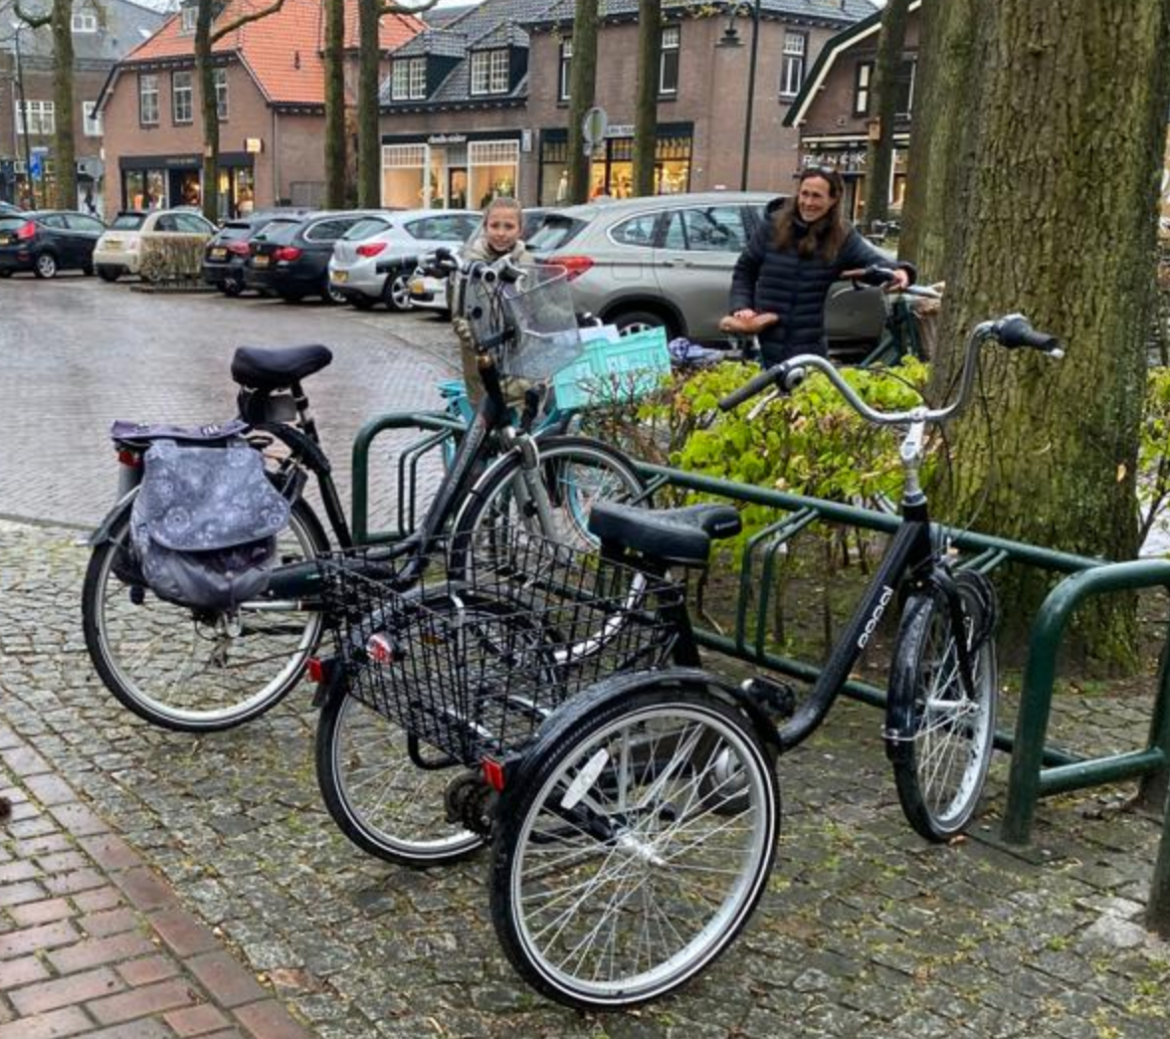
pixel 611 372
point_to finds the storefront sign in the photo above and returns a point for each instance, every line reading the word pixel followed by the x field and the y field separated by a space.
pixel 447 138
pixel 620 130
pixel 253 145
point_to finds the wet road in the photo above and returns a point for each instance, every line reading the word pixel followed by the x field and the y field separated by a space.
pixel 76 353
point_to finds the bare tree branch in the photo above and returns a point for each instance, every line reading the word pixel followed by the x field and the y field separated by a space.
pixel 396 8
pixel 244 19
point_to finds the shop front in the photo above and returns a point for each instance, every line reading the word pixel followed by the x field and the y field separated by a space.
pixel 450 170
pixel 612 168
pixel 158 182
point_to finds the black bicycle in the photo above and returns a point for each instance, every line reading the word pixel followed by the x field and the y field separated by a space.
pixel 199 671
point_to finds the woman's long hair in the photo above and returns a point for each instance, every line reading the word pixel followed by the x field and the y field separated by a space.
pixel 823 238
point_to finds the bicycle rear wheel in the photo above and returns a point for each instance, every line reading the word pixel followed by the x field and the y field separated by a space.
pixel 617 871
pixel 943 752
pixel 191 671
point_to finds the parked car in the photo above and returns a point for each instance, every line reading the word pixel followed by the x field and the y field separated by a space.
pixel 228 251
pixel 667 262
pixel 47 241
pixel 375 259
pixel 119 250
pixel 7 209
pixel 292 260
pixel 430 288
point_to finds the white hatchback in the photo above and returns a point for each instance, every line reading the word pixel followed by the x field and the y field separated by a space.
pixel 119 249
pixel 375 259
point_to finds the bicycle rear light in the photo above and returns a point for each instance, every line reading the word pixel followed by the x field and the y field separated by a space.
pixel 131 458
pixel 380 649
pixel 315 668
pixel 493 773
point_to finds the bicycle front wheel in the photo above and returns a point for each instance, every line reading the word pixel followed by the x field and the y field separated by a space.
pixel 619 869
pixel 187 670
pixel 576 472
pixel 942 755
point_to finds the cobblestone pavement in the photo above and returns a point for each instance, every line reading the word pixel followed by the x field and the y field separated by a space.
pixel 155 885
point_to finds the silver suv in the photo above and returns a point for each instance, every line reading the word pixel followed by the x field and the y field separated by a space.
pixel 667 261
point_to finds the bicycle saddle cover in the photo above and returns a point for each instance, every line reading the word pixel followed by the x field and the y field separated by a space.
pixel 277 368
pixel 680 536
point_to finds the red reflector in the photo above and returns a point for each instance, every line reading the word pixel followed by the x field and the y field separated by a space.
pixel 27 231
pixel 574 266
pixel 372 249
pixel 130 458
pixel 316 669
pixel 239 248
pixel 287 253
pixel 493 772
pixel 380 649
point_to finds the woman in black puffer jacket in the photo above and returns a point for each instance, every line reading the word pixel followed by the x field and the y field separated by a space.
pixel 791 261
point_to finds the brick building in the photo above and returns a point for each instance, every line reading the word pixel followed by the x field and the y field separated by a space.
pixel 102 33
pixel 479 106
pixel 270 85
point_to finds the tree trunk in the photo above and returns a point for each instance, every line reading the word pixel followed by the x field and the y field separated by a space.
pixel 952 55
pixel 646 112
pixel 1059 223
pixel 334 104
pixel 205 75
pixel 582 89
pixel 879 159
pixel 369 134
pixel 65 164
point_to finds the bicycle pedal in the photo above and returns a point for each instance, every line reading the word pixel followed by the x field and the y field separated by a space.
pixel 777 698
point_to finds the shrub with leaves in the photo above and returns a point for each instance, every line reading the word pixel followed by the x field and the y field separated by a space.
pixel 1153 455
pixel 175 258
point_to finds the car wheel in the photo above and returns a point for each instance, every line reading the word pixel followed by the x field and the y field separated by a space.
pixel 396 291
pixel 629 322
pixel 332 294
pixel 231 287
pixel 45 266
pixel 108 273
pixel 87 270
pixel 5 274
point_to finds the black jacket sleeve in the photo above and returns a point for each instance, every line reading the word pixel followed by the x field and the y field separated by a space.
pixel 747 270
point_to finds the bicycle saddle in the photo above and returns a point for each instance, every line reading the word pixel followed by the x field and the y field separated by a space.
pixel 680 536
pixel 277 368
pixel 747 326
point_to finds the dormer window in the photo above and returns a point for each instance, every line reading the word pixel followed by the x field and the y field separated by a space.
pixel 85 22
pixel 489 72
pixel 189 16
pixel 408 79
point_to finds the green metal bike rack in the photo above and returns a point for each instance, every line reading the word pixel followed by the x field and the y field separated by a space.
pixel 1029 780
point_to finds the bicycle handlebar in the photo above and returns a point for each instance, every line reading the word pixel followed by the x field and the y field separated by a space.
pixel 1010 331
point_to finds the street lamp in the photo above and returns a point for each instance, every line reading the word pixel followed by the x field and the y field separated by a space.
pixel 751 95
pixel 28 171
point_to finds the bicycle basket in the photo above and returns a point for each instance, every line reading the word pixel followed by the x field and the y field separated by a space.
pixel 538 312
pixel 473 666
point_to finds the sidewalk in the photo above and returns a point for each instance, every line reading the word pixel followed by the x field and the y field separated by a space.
pixel 154 885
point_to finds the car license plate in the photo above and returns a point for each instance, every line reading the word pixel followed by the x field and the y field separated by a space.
pixel 339 277
pixel 7 239
pixel 260 261
pixel 418 286
pixel 218 254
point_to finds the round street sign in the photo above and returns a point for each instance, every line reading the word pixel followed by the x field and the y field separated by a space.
pixel 594 125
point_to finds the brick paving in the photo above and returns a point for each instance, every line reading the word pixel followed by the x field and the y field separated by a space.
pixel 155 885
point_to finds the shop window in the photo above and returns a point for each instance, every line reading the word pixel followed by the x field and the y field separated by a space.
pixel 403 166
pixel 91 119
pixel 408 79
pixel 861 87
pixel 492 169
pixel 566 66
pixel 668 61
pixel 489 72
pixel 148 99
pixel 792 65
pixel 41 115
pixel 182 97
pixel 221 92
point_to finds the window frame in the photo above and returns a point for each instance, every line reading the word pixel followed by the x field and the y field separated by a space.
pixel 84 22
pixel 188 19
pixel 188 92
pixel 565 69
pixel 669 60
pixel 862 87
pixel 408 79
pixel 220 81
pixel 792 62
pixel 42 117
pixel 145 80
pixel 91 119
pixel 490 71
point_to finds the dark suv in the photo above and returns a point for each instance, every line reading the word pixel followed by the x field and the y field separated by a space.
pixel 227 253
pixel 292 260
pixel 48 241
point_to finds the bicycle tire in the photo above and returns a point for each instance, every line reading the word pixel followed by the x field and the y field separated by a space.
pixel 148 652
pixel 376 793
pixel 941 763
pixel 577 471
pixel 660 855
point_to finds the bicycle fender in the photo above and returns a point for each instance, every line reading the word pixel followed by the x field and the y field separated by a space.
pixel 102 534
pixel 619 687
pixel 899 729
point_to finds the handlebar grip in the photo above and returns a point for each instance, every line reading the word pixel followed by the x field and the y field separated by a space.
pixel 874 274
pixel 753 386
pixel 509 273
pixel 1015 330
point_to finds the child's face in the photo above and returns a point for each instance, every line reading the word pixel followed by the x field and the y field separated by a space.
pixel 503 229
